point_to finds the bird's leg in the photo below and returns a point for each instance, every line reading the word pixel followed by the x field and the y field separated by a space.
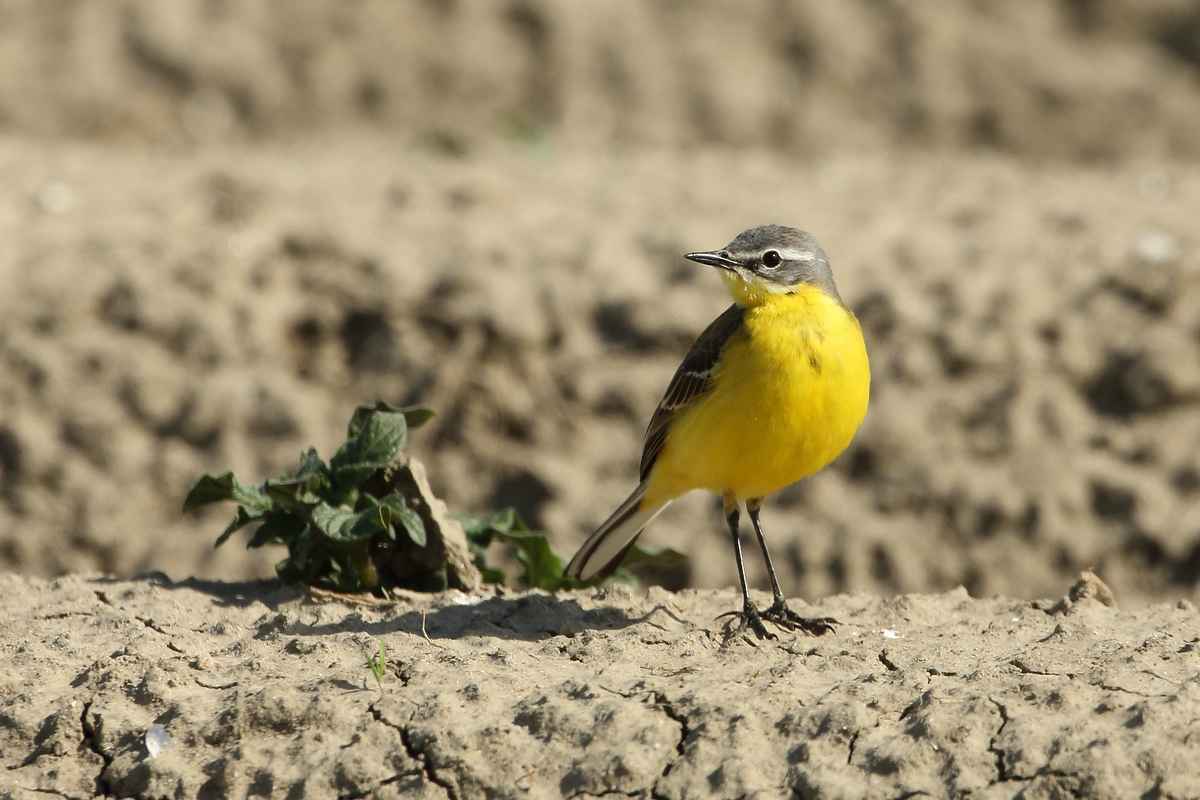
pixel 779 613
pixel 753 507
pixel 749 613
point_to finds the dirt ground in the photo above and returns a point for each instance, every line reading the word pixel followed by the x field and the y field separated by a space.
pixel 265 692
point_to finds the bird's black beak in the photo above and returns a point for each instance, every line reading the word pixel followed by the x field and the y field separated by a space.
pixel 714 258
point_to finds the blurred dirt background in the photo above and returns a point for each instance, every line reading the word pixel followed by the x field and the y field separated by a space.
pixel 225 224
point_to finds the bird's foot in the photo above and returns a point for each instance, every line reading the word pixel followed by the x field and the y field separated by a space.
pixel 784 617
pixel 750 618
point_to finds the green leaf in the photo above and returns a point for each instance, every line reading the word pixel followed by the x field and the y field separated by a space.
pixel 341 577
pixel 402 512
pixel 491 574
pixel 311 464
pixel 215 488
pixel 342 524
pixel 298 494
pixel 479 536
pixel 414 416
pixel 649 554
pixel 377 663
pixel 301 549
pixel 506 521
pixel 241 518
pixel 368 523
pixel 378 440
pixel 479 556
pixel 543 567
pixel 279 527
pixel 332 520
pixel 481 529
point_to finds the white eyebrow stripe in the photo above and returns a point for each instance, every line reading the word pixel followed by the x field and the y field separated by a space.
pixel 792 254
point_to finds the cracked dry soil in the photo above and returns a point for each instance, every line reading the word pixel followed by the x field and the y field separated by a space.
pixel 266 693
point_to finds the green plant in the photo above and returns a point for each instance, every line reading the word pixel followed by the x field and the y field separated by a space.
pixel 325 514
pixel 543 568
pixel 348 524
pixel 377 662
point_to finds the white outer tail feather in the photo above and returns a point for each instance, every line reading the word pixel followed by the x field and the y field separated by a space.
pixel 611 538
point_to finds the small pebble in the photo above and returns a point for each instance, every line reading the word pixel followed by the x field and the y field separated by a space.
pixel 157 740
pixel 1156 247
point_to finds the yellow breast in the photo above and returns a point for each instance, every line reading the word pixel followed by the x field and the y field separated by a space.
pixel 789 391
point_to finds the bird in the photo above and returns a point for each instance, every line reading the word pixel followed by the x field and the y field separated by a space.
pixel 770 392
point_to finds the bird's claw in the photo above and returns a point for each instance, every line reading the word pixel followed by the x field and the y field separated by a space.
pixel 750 618
pixel 779 614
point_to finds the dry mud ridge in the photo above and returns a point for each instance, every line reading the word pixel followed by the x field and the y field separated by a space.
pixel 265 692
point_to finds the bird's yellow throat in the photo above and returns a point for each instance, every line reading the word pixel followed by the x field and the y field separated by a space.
pixel 755 292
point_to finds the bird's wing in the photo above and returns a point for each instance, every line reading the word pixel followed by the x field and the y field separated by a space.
pixel 692 379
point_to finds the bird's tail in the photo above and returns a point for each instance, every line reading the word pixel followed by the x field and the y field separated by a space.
pixel 604 550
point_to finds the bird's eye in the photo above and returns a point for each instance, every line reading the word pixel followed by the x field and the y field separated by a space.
pixel 771 259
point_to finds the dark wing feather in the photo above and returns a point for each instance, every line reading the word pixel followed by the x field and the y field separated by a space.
pixel 692 379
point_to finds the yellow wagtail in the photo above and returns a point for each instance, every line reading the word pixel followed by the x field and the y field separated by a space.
pixel 771 392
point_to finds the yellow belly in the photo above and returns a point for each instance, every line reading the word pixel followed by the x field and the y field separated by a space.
pixel 789 391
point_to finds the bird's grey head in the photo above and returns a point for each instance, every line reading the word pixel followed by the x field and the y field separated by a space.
pixel 774 257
